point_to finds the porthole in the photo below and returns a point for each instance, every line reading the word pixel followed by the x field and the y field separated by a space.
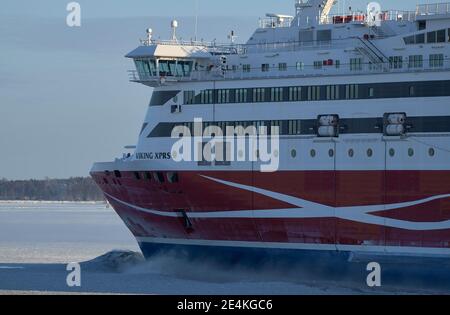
pixel 392 152
pixel 431 152
pixel 351 153
pixel 313 153
pixel 294 153
pixel 410 152
pixel 331 153
pixel 370 153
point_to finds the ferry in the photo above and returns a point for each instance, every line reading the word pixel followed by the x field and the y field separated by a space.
pixel 345 123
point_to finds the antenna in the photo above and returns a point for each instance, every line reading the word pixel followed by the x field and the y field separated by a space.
pixel 196 19
pixel 174 26
pixel 149 35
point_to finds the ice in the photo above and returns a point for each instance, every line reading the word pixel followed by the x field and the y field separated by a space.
pixel 39 239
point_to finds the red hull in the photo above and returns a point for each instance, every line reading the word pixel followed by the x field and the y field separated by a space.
pixel 342 190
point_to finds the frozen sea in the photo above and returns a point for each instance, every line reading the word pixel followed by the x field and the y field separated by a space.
pixel 38 240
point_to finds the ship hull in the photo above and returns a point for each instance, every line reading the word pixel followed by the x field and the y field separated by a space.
pixel 393 213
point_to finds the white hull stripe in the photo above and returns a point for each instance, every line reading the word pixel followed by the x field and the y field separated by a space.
pixel 386 250
pixel 304 209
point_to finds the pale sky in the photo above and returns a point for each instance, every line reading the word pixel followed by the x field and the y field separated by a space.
pixel 65 99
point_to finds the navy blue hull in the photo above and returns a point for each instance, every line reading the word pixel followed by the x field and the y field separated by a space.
pixel 314 265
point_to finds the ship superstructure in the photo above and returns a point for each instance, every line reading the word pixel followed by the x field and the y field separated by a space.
pixel 361 103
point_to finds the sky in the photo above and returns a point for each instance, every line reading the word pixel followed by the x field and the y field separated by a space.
pixel 65 98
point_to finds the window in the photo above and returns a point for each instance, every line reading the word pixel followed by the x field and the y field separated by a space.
pixel 265 67
pixel 440 36
pixel 337 64
pixel 324 36
pixel 422 25
pixel 420 38
pixel 294 127
pixel 206 97
pixel 410 40
pixel 371 92
pixel 223 96
pixel 431 37
pixel 448 35
pixel 318 64
pixel 300 66
pixel 436 61
pixel 332 92
pixel 396 62
pixel 351 91
pixel 282 66
pixel 313 93
pixel 355 64
pixel 189 97
pixel 415 61
pixel 241 96
pixel 258 95
pixel 295 94
pixel 276 94
pixel 412 91
pixel 306 37
pixel 246 68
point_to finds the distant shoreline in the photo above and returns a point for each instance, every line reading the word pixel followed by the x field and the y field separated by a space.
pixel 77 189
pixel 52 202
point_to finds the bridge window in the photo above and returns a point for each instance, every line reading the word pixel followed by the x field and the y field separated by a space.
pixel 265 67
pixel 300 66
pixel 318 64
pixel 146 67
pixel 171 68
pixel 246 68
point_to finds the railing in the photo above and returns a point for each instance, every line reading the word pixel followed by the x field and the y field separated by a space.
pixel 294 72
pixel 274 22
pixel 433 9
pixel 360 17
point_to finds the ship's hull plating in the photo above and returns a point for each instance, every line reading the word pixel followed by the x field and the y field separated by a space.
pixel 398 213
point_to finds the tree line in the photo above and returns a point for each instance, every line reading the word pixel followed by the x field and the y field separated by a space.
pixel 72 189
